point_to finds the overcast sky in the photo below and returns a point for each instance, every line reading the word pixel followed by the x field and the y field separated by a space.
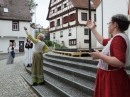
pixel 41 13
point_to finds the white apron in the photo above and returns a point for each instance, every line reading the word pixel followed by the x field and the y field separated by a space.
pixel 103 65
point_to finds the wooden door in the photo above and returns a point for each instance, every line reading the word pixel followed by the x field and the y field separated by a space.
pixel 21 46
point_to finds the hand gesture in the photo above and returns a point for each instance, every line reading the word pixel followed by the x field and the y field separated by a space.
pixel 25 28
pixel 95 55
pixel 90 24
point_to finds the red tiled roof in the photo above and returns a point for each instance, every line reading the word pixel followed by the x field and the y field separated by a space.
pixel 84 3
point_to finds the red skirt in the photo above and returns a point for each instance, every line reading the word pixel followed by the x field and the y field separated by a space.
pixel 112 83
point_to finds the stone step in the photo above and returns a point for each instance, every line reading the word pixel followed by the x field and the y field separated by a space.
pixel 41 90
pixel 73 92
pixel 79 81
pixel 71 77
pixel 78 65
pixel 88 75
pixel 64 87
pixel 87 60
pixel 75 82
pixel 79 60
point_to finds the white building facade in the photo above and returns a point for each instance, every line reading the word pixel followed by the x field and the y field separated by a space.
pixel 105 11
pixel 68 23
pixel 12 22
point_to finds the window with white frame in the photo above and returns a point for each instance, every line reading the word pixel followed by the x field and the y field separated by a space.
pixel 83 16
pixel 15 26
pixel 69 32
pixel 86 41
pixel 72 42
pixel 86 32
pixel 61 33
pixel 53 35
pixel 58 22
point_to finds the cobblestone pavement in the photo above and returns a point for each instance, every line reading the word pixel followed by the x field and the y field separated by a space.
pixel 11 82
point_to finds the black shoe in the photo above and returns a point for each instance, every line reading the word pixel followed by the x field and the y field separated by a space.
pixel 34 84
pixel 42 83
pixel 28 65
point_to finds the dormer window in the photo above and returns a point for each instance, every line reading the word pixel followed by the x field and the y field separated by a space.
pixel 5 10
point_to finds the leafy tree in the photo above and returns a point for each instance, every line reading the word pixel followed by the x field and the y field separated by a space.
pixel 32 24
pixel 32 5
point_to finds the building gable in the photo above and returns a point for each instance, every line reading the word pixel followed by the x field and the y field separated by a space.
pixel 56 7
pixel 71 4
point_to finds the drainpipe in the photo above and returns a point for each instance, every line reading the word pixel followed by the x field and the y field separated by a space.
pixel 102 15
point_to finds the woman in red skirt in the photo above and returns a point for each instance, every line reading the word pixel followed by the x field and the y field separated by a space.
pixel 112 79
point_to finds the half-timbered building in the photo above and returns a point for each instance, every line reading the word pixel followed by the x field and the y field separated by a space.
pixel 68 22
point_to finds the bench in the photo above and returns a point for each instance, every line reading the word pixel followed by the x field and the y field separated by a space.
pixel 70 53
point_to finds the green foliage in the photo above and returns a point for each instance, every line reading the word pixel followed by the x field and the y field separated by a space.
pixel 48 42
pixel 32 5
pixel 32 24
pixel 56 45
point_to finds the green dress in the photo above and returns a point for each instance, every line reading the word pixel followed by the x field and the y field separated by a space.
pixel 37 63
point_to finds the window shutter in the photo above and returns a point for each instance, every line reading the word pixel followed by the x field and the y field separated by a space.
pixel 63 20
pixel 68 20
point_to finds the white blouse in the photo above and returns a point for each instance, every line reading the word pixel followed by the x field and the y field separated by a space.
pixel 39 46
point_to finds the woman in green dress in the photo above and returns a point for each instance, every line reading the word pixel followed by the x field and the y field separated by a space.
pixel 37 63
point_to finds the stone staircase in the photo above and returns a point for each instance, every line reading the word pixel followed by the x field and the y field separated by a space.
pixel 66 76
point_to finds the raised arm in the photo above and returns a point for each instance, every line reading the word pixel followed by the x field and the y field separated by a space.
pixel 91 26
pixel 30 36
